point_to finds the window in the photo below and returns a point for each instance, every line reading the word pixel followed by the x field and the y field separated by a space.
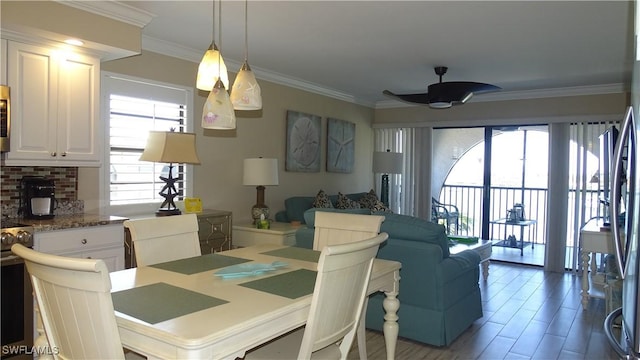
pixel 133 108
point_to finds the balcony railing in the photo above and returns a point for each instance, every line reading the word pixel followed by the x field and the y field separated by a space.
pixel 468 199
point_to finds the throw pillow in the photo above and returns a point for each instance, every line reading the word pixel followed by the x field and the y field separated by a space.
pixel 380 206
pixel 369 200
pixel 345 203
pixel 322 200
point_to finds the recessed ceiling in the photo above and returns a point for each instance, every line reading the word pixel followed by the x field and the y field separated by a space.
pixel 360 48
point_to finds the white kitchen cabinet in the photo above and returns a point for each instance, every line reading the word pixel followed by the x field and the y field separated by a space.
pixel 55 111
pixel 96 242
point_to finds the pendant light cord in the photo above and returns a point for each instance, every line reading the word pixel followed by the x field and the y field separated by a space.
pixel 213 20
pixel 246 31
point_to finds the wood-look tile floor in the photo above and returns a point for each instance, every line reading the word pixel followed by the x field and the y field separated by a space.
pixel 528 314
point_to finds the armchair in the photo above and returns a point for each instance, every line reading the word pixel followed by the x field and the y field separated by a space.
pixel 448 213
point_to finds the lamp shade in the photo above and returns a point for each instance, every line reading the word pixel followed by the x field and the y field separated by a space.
pixel 246 93
pixel 387 162
pixel 217 112
pixel 260 172
pixel 171 147
pixel 210 69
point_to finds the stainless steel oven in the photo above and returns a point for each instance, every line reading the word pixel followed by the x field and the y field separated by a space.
pixel 5 117
pixel 17 298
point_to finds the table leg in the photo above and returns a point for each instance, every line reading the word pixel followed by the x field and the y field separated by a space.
pixel 485 269
pixel 585 280
pixel 391 304
pixel 521 240
pixel 390 328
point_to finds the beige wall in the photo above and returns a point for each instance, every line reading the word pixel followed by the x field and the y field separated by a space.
pixel 218 180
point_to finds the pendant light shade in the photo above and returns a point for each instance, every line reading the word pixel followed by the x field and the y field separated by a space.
pixel 218 111
pixel 246 93
pixel 210 68
pixel 212 65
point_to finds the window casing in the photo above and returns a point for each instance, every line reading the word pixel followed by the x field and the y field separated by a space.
pixel 132 107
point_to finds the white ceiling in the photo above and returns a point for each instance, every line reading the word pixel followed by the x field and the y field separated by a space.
pixel 356 49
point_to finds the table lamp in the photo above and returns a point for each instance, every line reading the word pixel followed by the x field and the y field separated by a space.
pixel 260 172
pixel 386 162
pixel 170 147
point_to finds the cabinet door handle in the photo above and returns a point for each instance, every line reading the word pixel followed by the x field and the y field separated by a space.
pixel 53 154
pixel 63 154
pixel 84 241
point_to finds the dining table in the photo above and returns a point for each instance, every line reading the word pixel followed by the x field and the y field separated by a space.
pixel 221 305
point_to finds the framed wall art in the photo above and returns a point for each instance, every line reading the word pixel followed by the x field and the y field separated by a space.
pixel 341 138
pixel 303 142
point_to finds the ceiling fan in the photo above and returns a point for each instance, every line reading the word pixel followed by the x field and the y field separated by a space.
pixel 443 95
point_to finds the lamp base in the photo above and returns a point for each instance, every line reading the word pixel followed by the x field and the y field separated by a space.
pixel 384 190
pixel 167 212
pixel 258 210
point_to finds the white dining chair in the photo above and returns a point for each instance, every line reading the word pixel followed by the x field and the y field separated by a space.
pixel 338 299
pixel 164 238
pixel 338 228
pixel 75 306
pixel 332 228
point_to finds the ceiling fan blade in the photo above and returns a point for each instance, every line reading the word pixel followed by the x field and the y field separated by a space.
pixel 422 98
pixel 457 92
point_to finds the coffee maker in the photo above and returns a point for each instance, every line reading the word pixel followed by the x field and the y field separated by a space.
pixel 37 200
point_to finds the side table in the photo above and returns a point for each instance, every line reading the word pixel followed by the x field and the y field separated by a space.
pixel 592 242
pixel 482 247
pixel 280 233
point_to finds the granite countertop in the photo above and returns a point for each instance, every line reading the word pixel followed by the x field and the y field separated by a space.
pixel 61 222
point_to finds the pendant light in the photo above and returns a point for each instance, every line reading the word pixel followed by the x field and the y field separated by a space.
pixel 212 64
pixel 246 93
pixel 217 112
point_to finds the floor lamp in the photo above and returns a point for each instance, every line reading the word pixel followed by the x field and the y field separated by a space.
pixel 385 163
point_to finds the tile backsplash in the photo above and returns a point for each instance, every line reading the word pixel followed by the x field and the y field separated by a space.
pixel 66 180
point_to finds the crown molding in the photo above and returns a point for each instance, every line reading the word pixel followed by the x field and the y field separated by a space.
pixel 114 10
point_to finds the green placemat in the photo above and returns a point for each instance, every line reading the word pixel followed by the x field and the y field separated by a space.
pixel 199 264
pixel 291 285
pixel 159 302
pixel 295 253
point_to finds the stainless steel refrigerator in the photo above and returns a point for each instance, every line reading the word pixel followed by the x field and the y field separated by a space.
pixel 625 216
pixel 625 221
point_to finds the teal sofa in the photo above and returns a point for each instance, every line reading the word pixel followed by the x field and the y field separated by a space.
pixel 439 293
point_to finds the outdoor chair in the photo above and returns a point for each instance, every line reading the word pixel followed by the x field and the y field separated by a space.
pixel 447 213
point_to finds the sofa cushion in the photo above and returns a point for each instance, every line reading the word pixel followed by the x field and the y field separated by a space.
pixel 295 207
pixel 415 229
pixel 310 215
pixel 322 200
pixel 345 203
